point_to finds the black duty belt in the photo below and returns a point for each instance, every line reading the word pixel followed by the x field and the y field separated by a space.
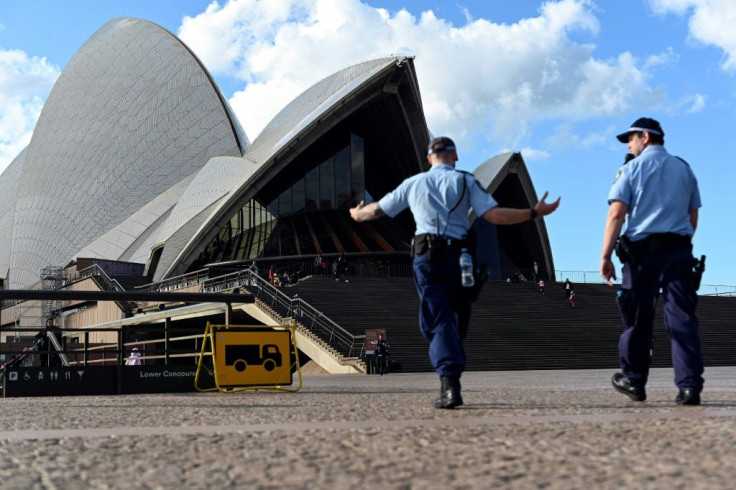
pixel 424 242
pixel 661 242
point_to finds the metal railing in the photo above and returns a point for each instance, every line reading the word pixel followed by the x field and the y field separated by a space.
pixel 344 342
pixel 105 282
pixel 594 277
pixel 177 282
pixel 85 353
pixel 21 312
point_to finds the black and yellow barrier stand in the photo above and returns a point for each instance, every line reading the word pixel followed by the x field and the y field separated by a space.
pixel 245 357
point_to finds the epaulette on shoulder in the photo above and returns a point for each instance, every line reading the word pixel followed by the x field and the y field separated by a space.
pixel 682 160
pixel 471 174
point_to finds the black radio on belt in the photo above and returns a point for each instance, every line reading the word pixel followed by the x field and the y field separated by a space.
pixel 434 245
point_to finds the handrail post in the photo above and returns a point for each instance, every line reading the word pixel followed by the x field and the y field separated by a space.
pixel 167 338
pixel 120 362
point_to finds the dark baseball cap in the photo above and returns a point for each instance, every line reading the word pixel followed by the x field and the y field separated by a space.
pixel 440 144
pixel 639 126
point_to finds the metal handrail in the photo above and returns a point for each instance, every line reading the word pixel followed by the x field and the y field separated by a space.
pixel 29 305
pixel 346 343
pixel 109 284
pixel 105 282
pixel 177 282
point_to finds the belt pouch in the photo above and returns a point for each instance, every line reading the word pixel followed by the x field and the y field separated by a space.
pixel 625 249
pixel 418 245
pixel 434 248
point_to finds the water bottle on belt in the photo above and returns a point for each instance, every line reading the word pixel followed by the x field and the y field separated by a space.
pixel 466 269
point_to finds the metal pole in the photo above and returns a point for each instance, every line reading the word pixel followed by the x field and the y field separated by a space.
pixel 167 336
pixel 120 358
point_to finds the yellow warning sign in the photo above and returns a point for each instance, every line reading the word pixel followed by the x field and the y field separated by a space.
pixel 249 357
pixel 253 358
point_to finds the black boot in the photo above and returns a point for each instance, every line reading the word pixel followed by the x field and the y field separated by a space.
pixel 449 393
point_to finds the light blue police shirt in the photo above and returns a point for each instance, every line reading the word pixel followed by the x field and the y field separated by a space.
pixel 660 191
pixel 432 194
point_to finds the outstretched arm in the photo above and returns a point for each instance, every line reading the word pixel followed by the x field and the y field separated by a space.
pixel 361 212
pixel 512 216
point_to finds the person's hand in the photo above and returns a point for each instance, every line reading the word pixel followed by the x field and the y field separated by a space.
pixel 608 271
pixel 543 208
pixel 355 212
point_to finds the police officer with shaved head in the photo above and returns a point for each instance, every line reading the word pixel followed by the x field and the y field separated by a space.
pixel 656 195
pixel 440 200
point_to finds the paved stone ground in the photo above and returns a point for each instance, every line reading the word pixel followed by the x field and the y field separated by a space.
pixel 524 429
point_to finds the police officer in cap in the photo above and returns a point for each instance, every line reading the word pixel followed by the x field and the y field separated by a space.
pixel 440 200
pixel 657 195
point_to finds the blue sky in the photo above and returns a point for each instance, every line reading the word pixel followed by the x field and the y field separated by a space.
pixel 555 80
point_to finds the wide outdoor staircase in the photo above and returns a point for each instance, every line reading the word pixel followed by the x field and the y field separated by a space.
pixel 512 326
pixel 283 317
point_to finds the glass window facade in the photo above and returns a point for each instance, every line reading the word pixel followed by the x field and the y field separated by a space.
pixel 305 217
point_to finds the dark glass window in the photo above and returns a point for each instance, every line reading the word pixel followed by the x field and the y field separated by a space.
pixel 312 189
pixel 290 222
pixel 357 168
pixel 327 184
pixel 343 199
pixel 297 197
pixel 285 202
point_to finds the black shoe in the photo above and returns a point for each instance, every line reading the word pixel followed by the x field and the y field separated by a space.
pixel 622 384
pixel 449 393
pixel 688 396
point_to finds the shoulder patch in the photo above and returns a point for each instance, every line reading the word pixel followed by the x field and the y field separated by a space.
pixel 618 174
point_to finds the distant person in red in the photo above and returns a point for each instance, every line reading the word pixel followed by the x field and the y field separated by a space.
pixel 272 274
pixel 571 298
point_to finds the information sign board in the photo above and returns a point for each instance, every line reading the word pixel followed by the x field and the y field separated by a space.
pixel 253 357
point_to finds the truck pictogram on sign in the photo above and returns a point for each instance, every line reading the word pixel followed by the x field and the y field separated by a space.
pixel 252 356
pixel 242 356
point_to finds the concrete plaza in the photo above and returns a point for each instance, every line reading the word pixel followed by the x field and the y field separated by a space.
pixel 522 429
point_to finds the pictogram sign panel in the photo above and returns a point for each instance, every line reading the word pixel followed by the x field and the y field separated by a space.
pixel 253 358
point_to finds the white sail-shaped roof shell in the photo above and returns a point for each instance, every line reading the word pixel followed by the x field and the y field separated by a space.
pixel 8 195
pixel 260 162
pixel 132 116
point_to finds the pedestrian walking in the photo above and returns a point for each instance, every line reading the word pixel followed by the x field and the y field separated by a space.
pixel 440 200
pixel 657 195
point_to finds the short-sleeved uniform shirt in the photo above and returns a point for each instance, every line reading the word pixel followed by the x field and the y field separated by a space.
pixel 431 195
pixel 660 190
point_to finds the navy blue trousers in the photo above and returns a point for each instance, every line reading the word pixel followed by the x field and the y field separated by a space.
pixel 444 311
pixel 669 271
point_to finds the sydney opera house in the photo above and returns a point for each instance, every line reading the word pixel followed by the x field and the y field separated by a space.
pixel 139 165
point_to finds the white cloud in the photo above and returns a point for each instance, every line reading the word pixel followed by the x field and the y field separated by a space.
pixel 482 80
pixel 532 154
pixel 24 84
pixel 711 22
pixel 666 58
pixel 693 103
pixel 698 103
pixel 564 136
